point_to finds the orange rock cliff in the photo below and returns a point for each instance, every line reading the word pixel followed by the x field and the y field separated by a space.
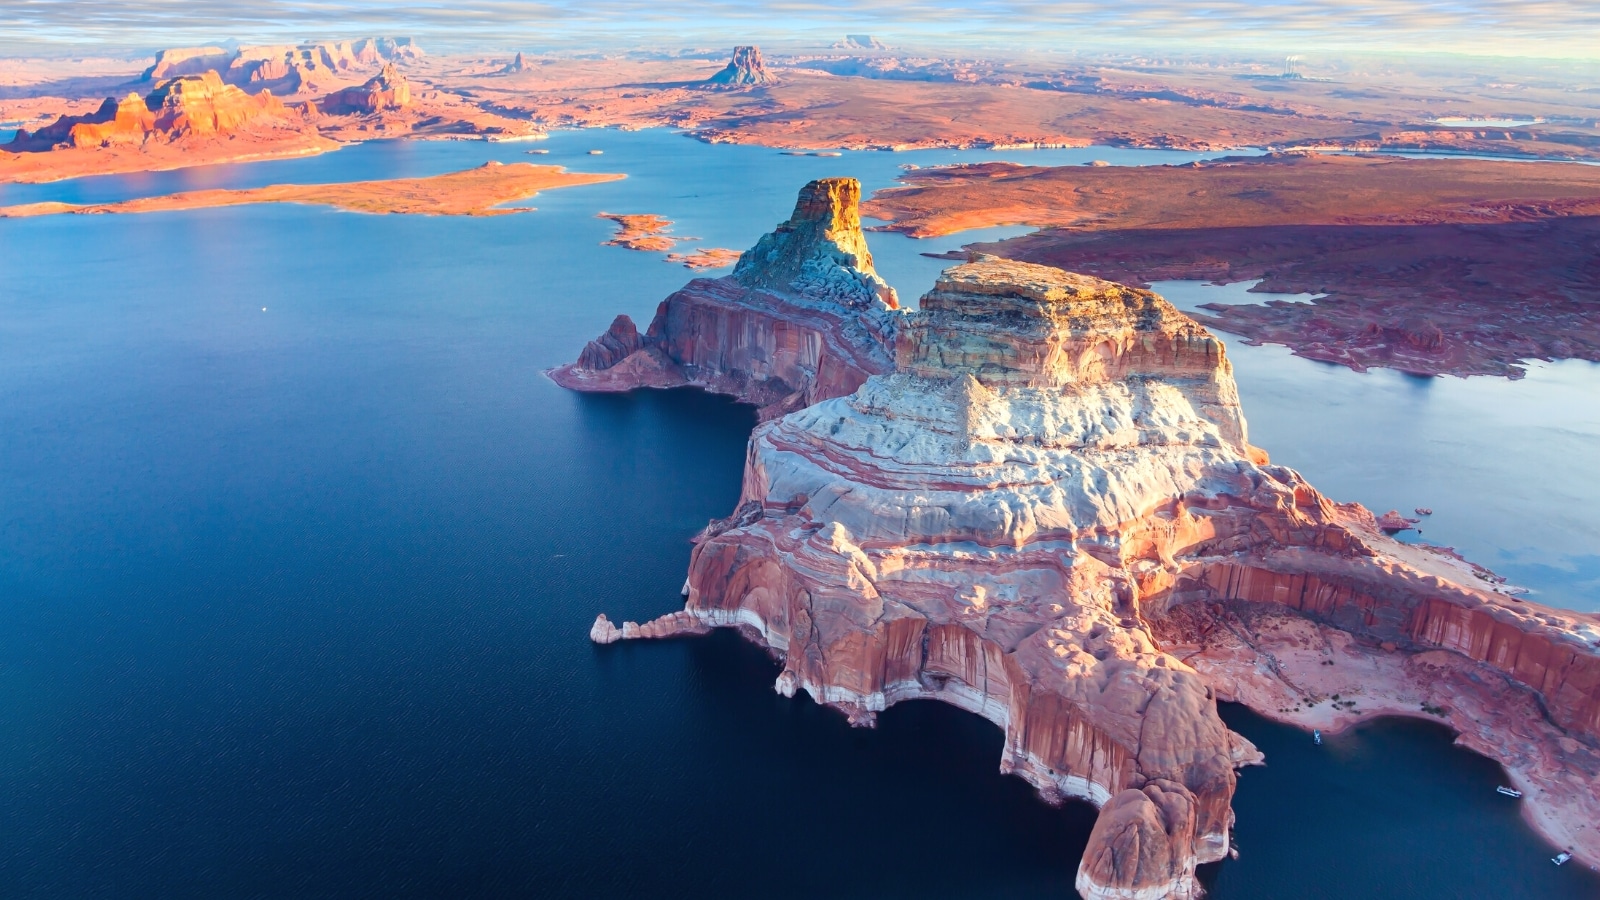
pixel 186 105
pixel 1034 499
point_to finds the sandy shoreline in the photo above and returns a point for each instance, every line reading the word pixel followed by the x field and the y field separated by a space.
pixel 473 192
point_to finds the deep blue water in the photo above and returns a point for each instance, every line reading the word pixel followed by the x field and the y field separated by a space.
pixel 294 601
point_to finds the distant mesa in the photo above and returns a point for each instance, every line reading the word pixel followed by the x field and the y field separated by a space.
pixel 388 90
pixel 516 66
pixel 860 42
pixel 286 67
pixel 746 67
pixel 186 105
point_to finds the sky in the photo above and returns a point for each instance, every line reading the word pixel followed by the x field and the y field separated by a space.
pixel 1537 28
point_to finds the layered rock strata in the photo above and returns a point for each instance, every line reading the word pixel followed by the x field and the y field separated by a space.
pixel 1051 491
pixel 284 66
pixel 803 317
pixel 388 90
pixel 179 107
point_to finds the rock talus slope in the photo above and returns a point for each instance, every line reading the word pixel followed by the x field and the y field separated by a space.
pixel 1049 497
pixel 803 317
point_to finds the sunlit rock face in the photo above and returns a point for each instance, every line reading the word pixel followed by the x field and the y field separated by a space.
pixel 387 90
pixel 200 105
pixel 1050 491
pixel 803 317
pixel 820 253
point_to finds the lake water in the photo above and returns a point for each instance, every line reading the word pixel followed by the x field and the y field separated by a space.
pixel 294 600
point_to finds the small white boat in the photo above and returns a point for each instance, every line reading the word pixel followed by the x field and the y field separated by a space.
pixel 596 152
pixel 1561 858
pixel 1316 736
pixel 1509 792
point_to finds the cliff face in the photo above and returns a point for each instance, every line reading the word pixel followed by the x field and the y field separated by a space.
pixel 387 90
pixel 803 317
pixel 746 67
pixel 188 105
pixel 1048 514
pixel 286 66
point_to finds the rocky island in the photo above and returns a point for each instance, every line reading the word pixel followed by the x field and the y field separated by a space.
pixel 481 191
pixel 1035 499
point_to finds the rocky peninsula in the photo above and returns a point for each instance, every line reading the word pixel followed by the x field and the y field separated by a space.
pixel 474 192
pixel 1035 499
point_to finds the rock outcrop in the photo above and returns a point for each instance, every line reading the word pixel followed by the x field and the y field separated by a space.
pixel 388 90
pixel 804 317
pixel 745 67
pixel 188 61
pixel 200 105
pixel 1051 490
pixel 286 68
pixel 517 66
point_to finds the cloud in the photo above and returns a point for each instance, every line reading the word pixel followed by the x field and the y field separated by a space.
pixel 1527 27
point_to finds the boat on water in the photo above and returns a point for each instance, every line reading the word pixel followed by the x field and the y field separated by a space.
pixel 1509 792
pixel 1561 858
pixel 1316 736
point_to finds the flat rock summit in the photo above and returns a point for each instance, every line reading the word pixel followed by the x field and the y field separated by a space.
pixel 1034 498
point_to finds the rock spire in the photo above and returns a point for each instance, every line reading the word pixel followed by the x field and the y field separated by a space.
pixel 820 252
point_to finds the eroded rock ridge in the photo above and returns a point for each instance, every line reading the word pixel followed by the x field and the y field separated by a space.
pixel 803 317
pixel 187 105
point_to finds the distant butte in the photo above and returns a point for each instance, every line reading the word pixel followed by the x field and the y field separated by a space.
pixel 746 67
pixel 1431 266
pixel 1034 498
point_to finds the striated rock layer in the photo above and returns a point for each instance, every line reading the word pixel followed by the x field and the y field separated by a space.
pixel 803 317
pixel 387 90
pixel 1053 489
pixel 199 105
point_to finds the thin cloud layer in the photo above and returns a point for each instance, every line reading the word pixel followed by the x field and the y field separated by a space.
pixel 1523 27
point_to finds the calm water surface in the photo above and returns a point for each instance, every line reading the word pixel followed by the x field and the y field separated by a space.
pixel 294 600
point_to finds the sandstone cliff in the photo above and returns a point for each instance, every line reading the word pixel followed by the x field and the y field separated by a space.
pixel 1049 514
pixel 199 105
pixel 387 90
pixel 285 66
pixel 803 317
pixel 746 67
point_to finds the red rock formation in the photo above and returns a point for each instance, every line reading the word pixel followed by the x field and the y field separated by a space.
pixel 387 90
pixel 517 66
pixel 188 105
pixel 746 67
pixel 1052 489
pixel 806 319
pixel 187 61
